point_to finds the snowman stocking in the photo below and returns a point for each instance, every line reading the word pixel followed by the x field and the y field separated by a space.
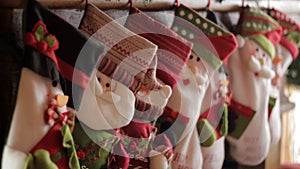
pixel 44 115
pixel 214 106
pixel 250 77
pixel 287 50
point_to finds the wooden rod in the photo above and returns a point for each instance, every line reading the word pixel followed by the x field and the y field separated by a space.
pixel 288 6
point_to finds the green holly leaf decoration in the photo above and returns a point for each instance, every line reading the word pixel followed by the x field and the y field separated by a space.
pixel 293 73
pixel 143 144
pixel 50 41
pixel 126 140
pixel 39 33
pixel 40 159
pixel 224 121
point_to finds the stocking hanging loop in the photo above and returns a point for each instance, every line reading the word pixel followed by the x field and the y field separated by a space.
pixel 208 5
pixel 130 3
pixel 86 4
pixel 176 3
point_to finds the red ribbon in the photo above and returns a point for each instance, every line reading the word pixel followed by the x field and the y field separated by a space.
pixel 241 109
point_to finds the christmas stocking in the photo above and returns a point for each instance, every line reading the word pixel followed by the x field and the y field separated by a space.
pixel 250 77
pixel 170 62
pixel 195 28
pixel 171 59
pixel 214 110
pixel 287 50
pixel 185 100
pixel 43 113
pixel 214 106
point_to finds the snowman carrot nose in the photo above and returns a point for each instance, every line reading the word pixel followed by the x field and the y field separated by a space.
pixel 224 82
pixel 62 100
pixel 193 69
pixel 277 60
pixel 261 61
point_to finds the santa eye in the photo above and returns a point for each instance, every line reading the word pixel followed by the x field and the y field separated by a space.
pixel 98 78
pixel 107 85
pixel 264 55
pixel 54 83
pixel 198 59
pixel 191 56
pixel 257 49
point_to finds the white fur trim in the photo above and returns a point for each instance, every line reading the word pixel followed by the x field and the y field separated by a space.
pixel 254 64
pixel 13 158
pixel 266 72
pixel 240 40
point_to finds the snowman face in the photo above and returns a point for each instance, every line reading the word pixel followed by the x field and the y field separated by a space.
pixel 35 93
pixel 256 59
pixel 197 67
pixel 54 88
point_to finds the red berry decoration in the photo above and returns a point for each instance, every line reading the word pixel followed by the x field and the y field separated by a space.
pixel 30 38
pixel 42 46
pixel 81 154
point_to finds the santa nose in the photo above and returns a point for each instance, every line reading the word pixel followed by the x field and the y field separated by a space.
pixel 194 69
pixel 261 61
pixel 103 87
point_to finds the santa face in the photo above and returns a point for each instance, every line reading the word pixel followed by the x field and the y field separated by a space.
pixel 106 104
pixel 197 67
pixel 257 59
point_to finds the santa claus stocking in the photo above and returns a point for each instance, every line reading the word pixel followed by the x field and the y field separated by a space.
pixel 171 60
pixel 214 110
pixel 287 50
pixel 206 51
pixel 150 103
pixel 44 115
pixel 250 77
pixel 127 61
